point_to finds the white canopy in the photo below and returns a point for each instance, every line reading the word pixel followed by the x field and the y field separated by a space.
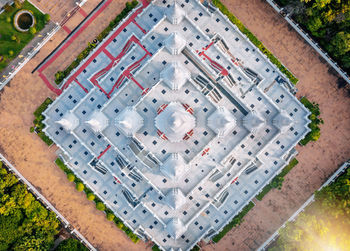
pixel 175 198
pixel 174 166
pixel 253 121
pixel 69 121
pixel 175 228
pixel 282 120
pixel 98 121
pixel 221 121
pixel 175 13
pixel 129 121
pixel 175 122
pixel 175 43
pixel 175 75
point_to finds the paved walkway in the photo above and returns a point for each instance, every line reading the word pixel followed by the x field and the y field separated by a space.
pixel 317 161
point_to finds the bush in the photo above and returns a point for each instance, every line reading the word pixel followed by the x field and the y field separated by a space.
pixel 255 41
pixel 100 206
pixel 13 37
pixel 47 17
pixel 32 30
pixel 11 53
pixel 278 180
pixel 31 129
pixel 110 216
pixel 70 177
pixel 8 19
pixel 90 196
pixel 79 186
pixel 315 132
pixel 238 219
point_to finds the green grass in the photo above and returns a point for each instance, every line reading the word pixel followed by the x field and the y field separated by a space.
pixel 315 121
pixel 255 40
pixel 283 173
pixel 156 248
pixel 7 30
pixel 118 222
pixel 38 121
pixel 238 219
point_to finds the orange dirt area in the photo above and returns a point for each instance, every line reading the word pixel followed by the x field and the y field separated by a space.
pixel 318 160
pixel 31 156
pixel 57 9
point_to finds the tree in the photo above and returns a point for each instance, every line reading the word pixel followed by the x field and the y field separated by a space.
pixel 32 30
pixel 79 186
pixel 71 245
pixel 100 206
pixel 340 44
pixel 277 182
pixel 90 196
pixel 70 177
pixel 11 53
pixel 13 37
pixel 8 19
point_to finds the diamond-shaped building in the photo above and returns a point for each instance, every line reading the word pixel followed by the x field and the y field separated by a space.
pixel 176 121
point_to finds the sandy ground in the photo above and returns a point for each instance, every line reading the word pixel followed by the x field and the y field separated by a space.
pixel 34 159
pixel 317 161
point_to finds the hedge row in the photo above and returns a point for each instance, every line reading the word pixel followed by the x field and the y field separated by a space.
pixel 275 181
pixel 99 203
pixel 38 122
pixel 238 219
pixel 60 75
pixel 255 40
pixel 315 121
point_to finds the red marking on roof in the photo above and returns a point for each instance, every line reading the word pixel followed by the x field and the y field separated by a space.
pixel 85 90
pixel 205 151
pixel 117 180
pixel 142 29
pixel 108 54
pixel 104 151
pixel 234 180
pixel 105 44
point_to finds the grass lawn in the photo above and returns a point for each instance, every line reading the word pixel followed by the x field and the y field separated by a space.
pixel 7 30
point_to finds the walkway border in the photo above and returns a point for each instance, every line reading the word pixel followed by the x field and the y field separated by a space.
pixel 311 199
pixel 47 204
pixel 310 41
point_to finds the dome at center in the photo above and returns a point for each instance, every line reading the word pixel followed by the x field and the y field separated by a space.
pixel 175 122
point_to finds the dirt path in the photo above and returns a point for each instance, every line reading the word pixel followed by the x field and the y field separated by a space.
pixel 34 159
pixel 317 160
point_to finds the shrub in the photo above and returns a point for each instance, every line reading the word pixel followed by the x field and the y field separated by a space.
pixel 13 37
pixel 90 196
pixel 8 8
pixel 47 17
pixel 70 177
pixel 110 216
pixel 31 129
pixel 32 30
pixel 11 53
pixel 238 219
pixel 71 245
pixel 100 206
pixel 8 19
pixel 315 121
pixel 79 186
